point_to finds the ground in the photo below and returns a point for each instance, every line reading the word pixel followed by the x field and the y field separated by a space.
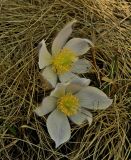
pixel 23 24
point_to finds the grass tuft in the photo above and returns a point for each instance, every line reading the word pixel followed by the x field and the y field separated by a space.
pixel 23 24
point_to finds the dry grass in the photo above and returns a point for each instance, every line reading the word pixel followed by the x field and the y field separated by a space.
pixel 23 24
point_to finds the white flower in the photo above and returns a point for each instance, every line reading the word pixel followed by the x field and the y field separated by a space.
pixel 63 63
pixel 71 100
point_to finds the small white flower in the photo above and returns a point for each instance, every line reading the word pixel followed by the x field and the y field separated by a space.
pixel 63 63
pixel 71 100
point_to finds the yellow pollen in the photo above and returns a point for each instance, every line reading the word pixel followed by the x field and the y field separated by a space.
pixel 68 104
pixel 63 61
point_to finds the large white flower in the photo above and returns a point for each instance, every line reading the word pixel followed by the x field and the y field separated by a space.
pixel 63 63
pixel 71 101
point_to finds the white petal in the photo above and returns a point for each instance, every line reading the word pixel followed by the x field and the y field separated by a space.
pixel 81 66
pixel 44 55
pixel 81 117
pixel 62 37
pixel 58 127
pixel 67 77
pixel 89 116
pixel 59 90
pixel 93 98
pixel 76 85
pixel 48 104
pixel 78 45
pixel 50 75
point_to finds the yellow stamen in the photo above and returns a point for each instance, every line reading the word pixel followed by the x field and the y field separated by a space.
pixel 63 61
pixel 68 104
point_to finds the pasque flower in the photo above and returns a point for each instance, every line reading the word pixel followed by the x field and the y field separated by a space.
pixel 64 63
pixel 72 101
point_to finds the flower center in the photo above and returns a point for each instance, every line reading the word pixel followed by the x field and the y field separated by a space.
pixel 68 104
pixel 63 61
